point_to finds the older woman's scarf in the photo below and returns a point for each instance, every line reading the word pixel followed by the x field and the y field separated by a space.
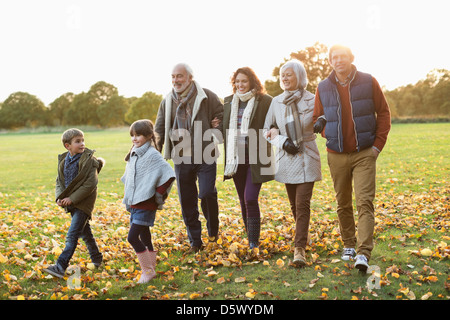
pixel 293 124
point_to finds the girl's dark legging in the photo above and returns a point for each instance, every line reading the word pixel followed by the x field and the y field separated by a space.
pixel 140 237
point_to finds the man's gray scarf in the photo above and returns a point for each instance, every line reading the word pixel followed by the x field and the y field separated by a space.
pixel 183 115
pixel 293 123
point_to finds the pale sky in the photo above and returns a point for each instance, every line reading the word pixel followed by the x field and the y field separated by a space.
pixel 50 47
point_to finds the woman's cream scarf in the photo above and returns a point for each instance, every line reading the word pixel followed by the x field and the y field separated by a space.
pixel 232 134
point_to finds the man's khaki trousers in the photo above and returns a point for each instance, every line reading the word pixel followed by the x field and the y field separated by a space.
pixel 359 167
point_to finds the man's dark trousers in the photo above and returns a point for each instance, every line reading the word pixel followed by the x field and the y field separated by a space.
pixel 187 175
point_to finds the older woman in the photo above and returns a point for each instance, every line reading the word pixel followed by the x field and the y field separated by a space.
pixel 245 146
pixel 289 126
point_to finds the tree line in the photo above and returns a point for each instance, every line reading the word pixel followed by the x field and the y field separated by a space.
pixel 103 106
pixel 428 98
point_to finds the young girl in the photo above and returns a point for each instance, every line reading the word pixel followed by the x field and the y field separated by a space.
pixel 148 179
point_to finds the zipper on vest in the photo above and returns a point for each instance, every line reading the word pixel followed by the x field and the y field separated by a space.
pixel 339 114
pixel 351 109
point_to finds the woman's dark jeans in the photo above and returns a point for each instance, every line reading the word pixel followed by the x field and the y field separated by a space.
pixel 248 193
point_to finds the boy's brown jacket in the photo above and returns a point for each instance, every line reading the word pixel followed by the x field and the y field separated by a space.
pixel 83 189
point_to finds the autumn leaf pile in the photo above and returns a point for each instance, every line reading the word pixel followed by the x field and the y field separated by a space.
pixel 33 235
pixel 410 258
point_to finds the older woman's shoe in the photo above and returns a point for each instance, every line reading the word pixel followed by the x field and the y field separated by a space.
pixel 299 257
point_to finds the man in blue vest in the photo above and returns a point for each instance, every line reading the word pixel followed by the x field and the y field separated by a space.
pixel 352 114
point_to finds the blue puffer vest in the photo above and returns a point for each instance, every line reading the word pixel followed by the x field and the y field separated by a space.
pixel 362 106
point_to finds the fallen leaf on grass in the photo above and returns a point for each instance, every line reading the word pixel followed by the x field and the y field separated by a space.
pixel 426 252
pixel 239 280
pixel 221 280
pixel 280 263
pixel 312 283
pixel 426 296
pixel 251 294
pixel 3 259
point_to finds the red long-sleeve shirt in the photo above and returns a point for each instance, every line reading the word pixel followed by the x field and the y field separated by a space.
pixel 383 117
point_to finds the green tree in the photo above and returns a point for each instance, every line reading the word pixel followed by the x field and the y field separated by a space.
pixel 411 101
pixel 84 107
pixel 58 107
pixel 22 109
pixel 80 111
pixel 2 125
pixel 315 60
pixel 429 97
pixel 146 107
pixel 100 93
pixel 437 100
pixel 112 112
pixel 392 98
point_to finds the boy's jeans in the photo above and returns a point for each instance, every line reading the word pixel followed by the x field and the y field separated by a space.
pixel 79 227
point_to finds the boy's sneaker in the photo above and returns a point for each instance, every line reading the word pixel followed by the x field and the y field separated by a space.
pixel 361 263
pixel 348 254
pixel 55 270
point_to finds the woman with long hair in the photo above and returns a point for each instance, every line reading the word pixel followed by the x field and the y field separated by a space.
pixel 246 150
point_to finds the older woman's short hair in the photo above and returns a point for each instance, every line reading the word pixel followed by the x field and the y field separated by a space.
pixel 299 71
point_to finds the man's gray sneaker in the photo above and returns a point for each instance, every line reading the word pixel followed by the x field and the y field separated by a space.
pixel 348 254
pixel 361 263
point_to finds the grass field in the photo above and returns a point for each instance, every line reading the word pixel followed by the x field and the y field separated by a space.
pixel 411 254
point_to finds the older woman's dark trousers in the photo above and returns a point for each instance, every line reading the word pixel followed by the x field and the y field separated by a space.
pixel 300 201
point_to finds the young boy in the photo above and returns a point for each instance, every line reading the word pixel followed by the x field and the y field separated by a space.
pixel 76 192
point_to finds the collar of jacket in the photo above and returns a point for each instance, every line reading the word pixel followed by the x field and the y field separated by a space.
pixel 140 151
pixel 87 154
pixel 201 95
